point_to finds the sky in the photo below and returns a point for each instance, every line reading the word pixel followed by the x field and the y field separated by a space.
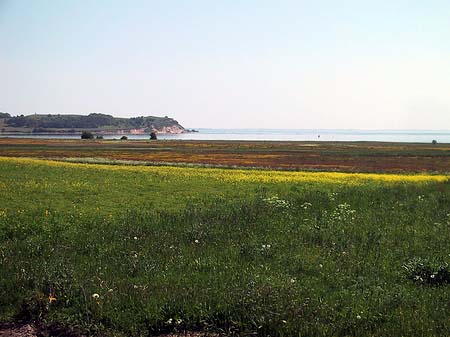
pixel 348 64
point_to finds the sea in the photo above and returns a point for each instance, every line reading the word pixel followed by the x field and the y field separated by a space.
pixel 409 136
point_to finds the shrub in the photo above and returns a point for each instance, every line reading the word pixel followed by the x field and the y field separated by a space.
pixel 123 138
pixel 99 137
pixel 434 142
pixel 153 136
pixel 87 135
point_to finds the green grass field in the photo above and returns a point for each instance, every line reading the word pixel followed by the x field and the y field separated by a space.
pixel 136 251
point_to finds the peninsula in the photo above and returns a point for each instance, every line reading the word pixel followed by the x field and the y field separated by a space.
pixel 95 122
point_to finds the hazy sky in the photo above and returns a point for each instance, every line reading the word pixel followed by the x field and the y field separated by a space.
pixel 233 63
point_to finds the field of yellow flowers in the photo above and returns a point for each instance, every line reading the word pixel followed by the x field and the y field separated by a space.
pixel 123 250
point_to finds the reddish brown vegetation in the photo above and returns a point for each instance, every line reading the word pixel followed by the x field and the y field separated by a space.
pixel 336 156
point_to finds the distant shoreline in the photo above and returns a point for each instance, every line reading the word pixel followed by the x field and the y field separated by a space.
pixel 323 135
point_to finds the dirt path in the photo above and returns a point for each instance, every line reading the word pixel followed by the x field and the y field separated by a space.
pixel 16 330
pixel 31 330
pixel 28 330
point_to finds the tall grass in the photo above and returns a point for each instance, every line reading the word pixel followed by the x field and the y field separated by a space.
pixel 299 259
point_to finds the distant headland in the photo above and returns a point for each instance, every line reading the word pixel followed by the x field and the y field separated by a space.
pixel 95 122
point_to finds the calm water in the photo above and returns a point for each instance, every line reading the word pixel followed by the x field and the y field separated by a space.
pixel 419 136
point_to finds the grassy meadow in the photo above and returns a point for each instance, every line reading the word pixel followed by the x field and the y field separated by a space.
pixel 117 250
